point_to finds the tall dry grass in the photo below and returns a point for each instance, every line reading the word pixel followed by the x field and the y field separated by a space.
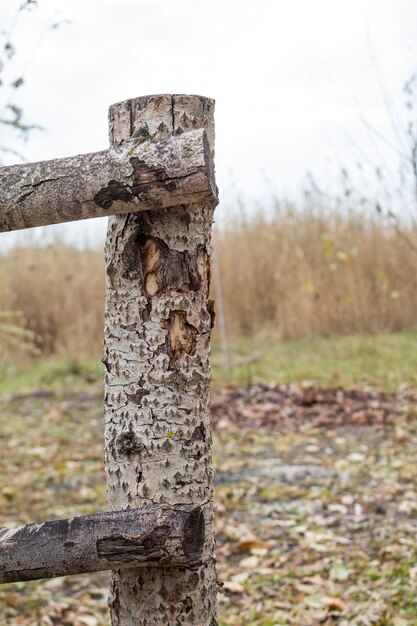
pixel 315 272
pixel 293 272
pixel 59 291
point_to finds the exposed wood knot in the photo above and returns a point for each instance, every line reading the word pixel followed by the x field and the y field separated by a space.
pixel 212 312
pixel 137 397
pixel 114 190
pixel 181 337
pixel 127 548
pixel 161 175
pixel 161 267
pixel 171 185
pixel 143 179
pixel 199 433
pixel 157 537
pixel 148 547
pixel 164 268
pixel 128 443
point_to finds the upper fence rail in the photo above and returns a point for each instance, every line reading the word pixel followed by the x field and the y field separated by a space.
pixel 135 175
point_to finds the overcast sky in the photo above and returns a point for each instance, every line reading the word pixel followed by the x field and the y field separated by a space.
pixel 293 79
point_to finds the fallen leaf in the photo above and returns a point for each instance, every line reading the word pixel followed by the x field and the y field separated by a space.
pixel 334 604
pixel 233 587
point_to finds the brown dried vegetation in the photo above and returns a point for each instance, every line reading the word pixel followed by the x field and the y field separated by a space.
pixel 60 292
pixel 315 272
pixel 297 273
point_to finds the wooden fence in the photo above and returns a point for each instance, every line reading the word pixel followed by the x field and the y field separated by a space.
pixel 156 184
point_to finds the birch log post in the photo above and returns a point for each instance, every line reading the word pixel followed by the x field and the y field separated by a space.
pixel 158 319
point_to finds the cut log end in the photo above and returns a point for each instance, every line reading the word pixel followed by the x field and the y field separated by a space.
pixel 194 536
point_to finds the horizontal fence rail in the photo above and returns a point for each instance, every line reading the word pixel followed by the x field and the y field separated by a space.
pixel 160 535
pixel 132 176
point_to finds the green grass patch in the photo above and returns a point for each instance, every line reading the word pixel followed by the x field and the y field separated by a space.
pixel 48 374
pixel 383 361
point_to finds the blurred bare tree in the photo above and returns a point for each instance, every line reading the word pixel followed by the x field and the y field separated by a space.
pixel 13 331
pixel 395 196
pixel 12 118
pixel 11 114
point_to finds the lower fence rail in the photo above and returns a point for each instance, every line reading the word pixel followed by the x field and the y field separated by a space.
pixel 151 536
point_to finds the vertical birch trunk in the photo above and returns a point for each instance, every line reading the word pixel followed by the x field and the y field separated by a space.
pixel 158 321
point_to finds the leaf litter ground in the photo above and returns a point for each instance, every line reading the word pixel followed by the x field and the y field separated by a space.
pixel 315 493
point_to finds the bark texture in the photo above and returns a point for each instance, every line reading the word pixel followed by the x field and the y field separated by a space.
pixel 152 536
pixel 158 321
pixel 133 176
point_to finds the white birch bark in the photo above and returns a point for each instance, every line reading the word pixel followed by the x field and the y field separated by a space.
pixel 158 321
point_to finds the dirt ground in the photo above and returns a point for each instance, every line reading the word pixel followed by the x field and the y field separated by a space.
pixel 315 495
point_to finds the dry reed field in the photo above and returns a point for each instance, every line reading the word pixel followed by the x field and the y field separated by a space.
pixel 294 273
pixel 316 272
pixel 58 292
